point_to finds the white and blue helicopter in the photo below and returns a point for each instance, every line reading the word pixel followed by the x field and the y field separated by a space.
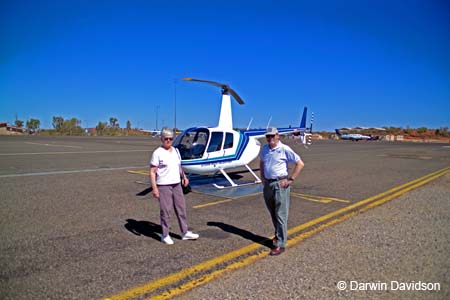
pixel 212 150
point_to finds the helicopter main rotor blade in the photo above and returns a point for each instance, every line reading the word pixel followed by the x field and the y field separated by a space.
pixel 224 87
pixel 221 85
pixel 236 96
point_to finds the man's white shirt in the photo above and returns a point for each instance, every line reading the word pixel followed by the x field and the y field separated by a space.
pixel 276 160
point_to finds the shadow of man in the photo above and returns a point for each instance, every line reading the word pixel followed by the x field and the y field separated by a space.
pixel 265 241
pixel 145 192
pixel 146 228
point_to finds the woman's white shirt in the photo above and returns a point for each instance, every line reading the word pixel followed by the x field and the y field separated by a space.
pixel 168 163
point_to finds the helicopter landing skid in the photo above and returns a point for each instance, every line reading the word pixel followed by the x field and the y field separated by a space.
pixel 233 184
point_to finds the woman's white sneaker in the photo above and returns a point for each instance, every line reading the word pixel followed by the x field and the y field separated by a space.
pixel 190 236
pixel 166 240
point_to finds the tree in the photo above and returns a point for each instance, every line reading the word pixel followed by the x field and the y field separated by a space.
pixel 72 127
pixel 422 130
pixel 113 122
pixel 101 127
pixel 128 125
pixel 407 130
pixel 392 130
pixel 443 131
pixel 58 123
pixel 19 123
pixel 33 124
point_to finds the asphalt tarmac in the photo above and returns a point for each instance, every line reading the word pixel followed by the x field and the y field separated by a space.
pixel 75 224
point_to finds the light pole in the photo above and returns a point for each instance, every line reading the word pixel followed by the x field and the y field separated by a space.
pixel 175 100
pixel 157 108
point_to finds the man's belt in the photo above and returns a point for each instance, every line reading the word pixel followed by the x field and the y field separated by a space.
pixel 276 179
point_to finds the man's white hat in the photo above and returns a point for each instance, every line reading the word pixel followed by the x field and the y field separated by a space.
pixel 271 131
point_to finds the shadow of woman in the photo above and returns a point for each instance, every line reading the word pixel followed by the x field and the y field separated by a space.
pixel 146 228
pixel 265 241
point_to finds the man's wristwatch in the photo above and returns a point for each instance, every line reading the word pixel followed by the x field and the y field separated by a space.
pixel 291 178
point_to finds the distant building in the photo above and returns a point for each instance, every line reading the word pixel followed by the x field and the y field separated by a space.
pixel 6 129
pixel 393 138
pixel 90 131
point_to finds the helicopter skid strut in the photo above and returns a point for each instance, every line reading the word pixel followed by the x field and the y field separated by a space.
pixel 233 184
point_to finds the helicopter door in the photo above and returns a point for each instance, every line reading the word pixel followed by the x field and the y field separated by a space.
pixel 215 145
pixel 228 144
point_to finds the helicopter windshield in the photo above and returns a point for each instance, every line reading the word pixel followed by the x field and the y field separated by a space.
pixel 192 143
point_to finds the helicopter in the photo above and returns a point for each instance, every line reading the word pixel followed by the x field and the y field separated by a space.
pixel 212 150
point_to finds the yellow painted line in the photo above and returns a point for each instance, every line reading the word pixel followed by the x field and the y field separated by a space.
pixel 212 203
pixel 291 242
pixel 247 195
pixel 302 196
pixel 362 202
pixel 172 278
pixel 221 201
pixel 325 198
pixel 141 172
pixel 367 207
pixel 309 198
pixel 318 198
pixel 207 278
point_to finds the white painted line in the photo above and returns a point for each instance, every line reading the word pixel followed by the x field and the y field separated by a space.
pixel 72 152
pixel 53 145
pixel 68 172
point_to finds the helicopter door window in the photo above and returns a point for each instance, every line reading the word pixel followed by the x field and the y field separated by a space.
pixel 215 144
pixel 192 143
pixel 228 141
pixel 199 144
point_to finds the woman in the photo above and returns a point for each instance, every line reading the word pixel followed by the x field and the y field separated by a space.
pixel 165 173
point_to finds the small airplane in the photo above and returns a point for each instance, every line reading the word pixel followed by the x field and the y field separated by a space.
pixel 154 133
pixel 352 136
pixel 212 150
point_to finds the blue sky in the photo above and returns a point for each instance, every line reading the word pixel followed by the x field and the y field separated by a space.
pixel 353 63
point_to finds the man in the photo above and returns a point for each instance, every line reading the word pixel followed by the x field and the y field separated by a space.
pixel 275 157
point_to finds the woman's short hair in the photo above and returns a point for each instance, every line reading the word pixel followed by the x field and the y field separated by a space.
pixel 166 132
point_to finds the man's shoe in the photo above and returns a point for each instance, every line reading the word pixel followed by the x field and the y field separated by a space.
pixel 276 251
pixel 166 240
pixel 190 236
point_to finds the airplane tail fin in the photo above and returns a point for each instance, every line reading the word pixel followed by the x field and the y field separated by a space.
pixel 303 121
pixel 306 136
pixel 338 132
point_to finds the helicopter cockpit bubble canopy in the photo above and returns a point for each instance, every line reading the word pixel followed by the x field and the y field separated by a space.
pixel 195 143
pixel 192 143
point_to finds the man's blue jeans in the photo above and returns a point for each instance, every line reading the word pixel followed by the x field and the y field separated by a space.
pixel 277 202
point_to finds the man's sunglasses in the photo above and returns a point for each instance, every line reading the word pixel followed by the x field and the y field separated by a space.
pixel 168 139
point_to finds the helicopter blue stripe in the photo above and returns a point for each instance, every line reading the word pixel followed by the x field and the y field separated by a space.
pixel 243 141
